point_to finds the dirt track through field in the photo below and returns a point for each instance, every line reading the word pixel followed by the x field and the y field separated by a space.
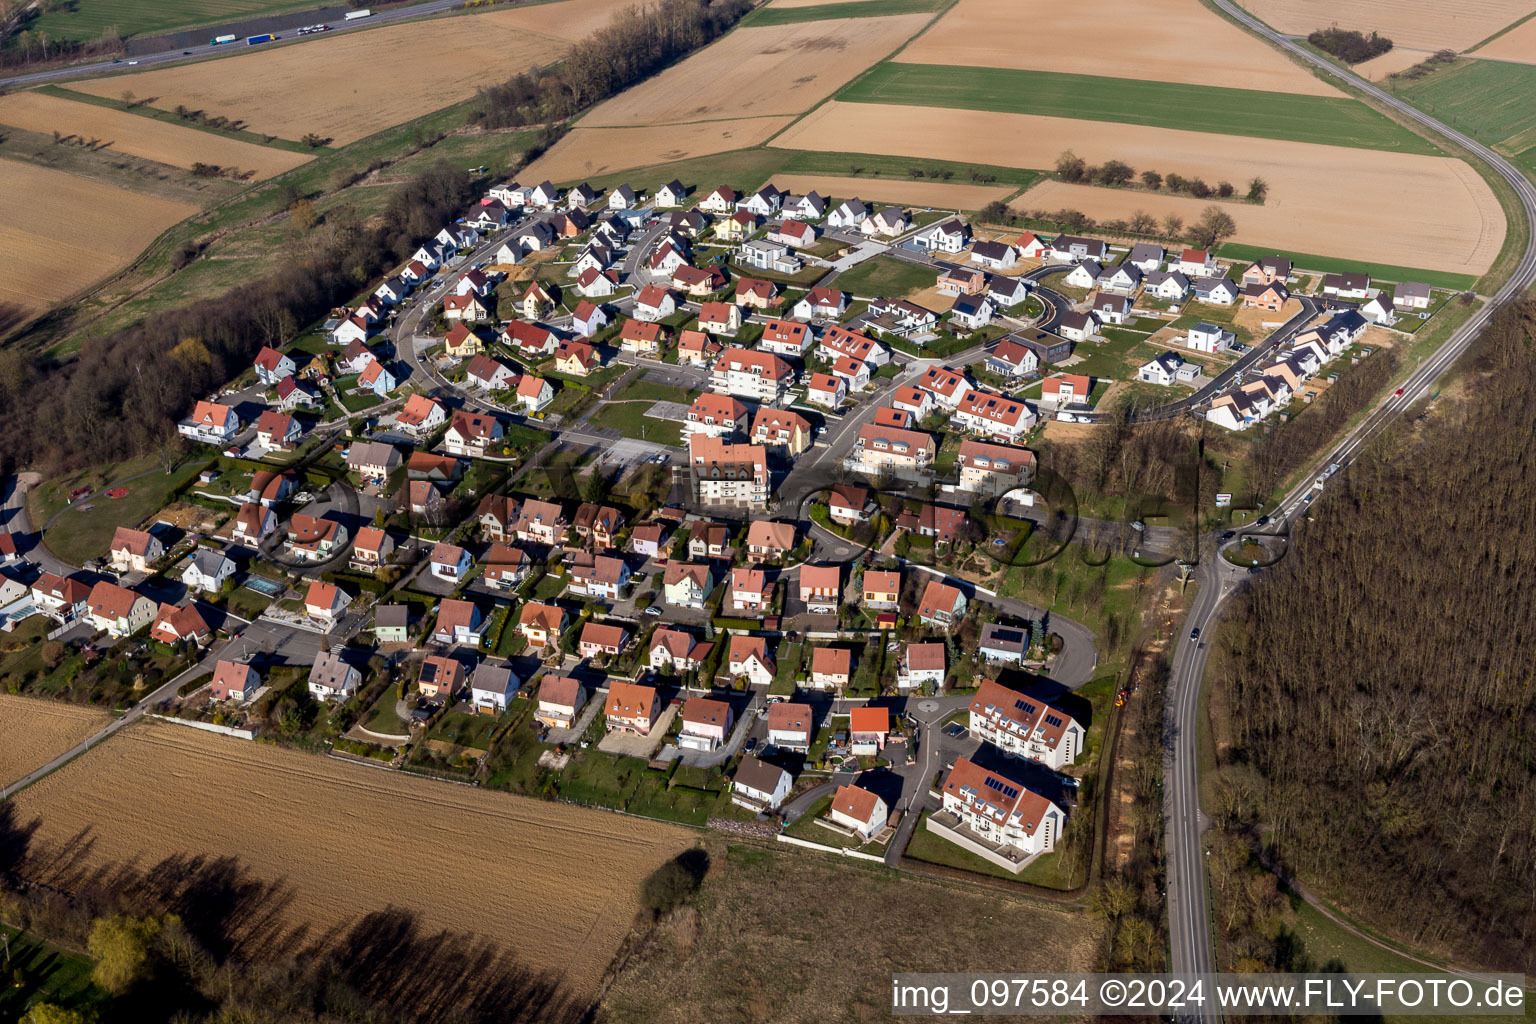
pixel 1352 202
pixel 589 152
pixel 34 732
pixel 1169 41
pixel 780 69
pixel 1518 44
pixel 52 254
pixel 143 136
pixel 354 85
pixel 895 190
pixel 1417 24
pixel 553 884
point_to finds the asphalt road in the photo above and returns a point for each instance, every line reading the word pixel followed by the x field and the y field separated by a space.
pixel 239 46
pixel 1188 903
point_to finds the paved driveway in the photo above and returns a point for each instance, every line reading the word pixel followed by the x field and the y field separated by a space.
pixel 630 745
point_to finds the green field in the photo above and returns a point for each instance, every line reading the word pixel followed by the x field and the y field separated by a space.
pixel 1322 119
pixel 826 12
pixel 36 972
pixel 88 19
pixel 885 276
pixel 1334 265
pixel 1487 99
pixel 83 534
pixel 630 418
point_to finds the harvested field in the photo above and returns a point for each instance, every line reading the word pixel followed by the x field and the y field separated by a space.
pixel 1419 24
pixel 895 190
pixel 341 841
pixel 751 72
pixel 34 732
pixel 1130 40
pixel 1390 63
pixel 589 152
pixel 761 920
pixel 347 87
pixel 47 264
pixel 1353 197
pixel 1519 44
pixel 142 136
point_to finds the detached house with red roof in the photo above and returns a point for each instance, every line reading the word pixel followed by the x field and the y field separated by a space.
pixel 420 416
pixel 210 423
pixel 790 726
pixel 632 708
pixel 471 433
pixel 642 338
pixel 868 729
pixel 119 611
pixel 749 657
pixel 706 724
pixel 654 303
pixel 560 700
pixel 826 390
pixel 458 622
pixel 941 605
pixel 314 540
pixel 276 431
pixel 542 624
pixel 175 625
pixel 326 602
pixel 272 366
pixel 821 587
pixel 859 811
pixel 233 680
pixel 831 668
pixel 993 415
pixel 601 638
pixel 676 650
pixel 134 550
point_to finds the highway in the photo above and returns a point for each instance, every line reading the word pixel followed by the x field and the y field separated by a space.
pixel 239 46
pixel 1191 948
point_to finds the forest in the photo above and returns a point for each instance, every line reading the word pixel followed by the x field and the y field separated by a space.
pixel 1379 685
pixel 638 43
pixel 123 395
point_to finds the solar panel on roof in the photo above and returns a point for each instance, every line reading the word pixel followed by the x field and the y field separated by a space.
pixel 1024 706
pixel 1008 791
pixel 1052 720
pixel 1008 636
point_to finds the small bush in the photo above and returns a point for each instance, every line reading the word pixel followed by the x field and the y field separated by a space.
pixel 670 886
pixel 1349 46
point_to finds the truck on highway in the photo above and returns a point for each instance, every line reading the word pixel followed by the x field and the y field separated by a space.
pixel 1323 478
pixel 354 15
pixel 221 40
pixel 265 37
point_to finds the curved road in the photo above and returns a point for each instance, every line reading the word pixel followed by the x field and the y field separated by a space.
pixel 1188 909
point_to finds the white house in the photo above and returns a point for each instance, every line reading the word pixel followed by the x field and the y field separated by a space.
pixel 848 215
pixel 1146 257
pixel 1166 369
pixel 1209 338
pixel 994 255
pixel 1077 326
pixel 759 786
pixel 210 422
pixel 950 236
pixel 208 571
pixel 272 366
pixel 706 724
pixel 491 687
pixel 921 665
pixel 1171 286
pixel 1379 310
pixel 1085 275
pixel 859 811
pixel 1025 726
pixel 1125 279
pixel 1014 824
pixel 326 601
pixel 330 678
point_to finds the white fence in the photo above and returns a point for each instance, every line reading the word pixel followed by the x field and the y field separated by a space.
pixel 222 730
pixel 830 849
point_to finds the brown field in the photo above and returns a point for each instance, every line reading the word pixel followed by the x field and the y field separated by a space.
pixel 1397 59
pixel 896 190
pixel 1518 44
pixel 588 152
pixel 350 86
pixel 143 136
pixel 782 69
pixel 780 925
pixel 51 257
pixel 553 884
pixel 1129 39
pixel 1418 24
pixel 34 732
pixel 1353 197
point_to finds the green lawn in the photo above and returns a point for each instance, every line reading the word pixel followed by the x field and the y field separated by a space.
pixel 826 12
pixel 381 718
pixel 805 827
pixel 46 974
pixel 631 418
pixel 88 19
pixel 886 277
pixel 82 535
pixel 934 849
pixel 1333 265
pixel 1329 120
pixel 464 727
pixel 626 783
pixel 640 388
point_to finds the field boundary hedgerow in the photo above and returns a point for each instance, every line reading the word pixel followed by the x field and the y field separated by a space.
pixel 770 15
